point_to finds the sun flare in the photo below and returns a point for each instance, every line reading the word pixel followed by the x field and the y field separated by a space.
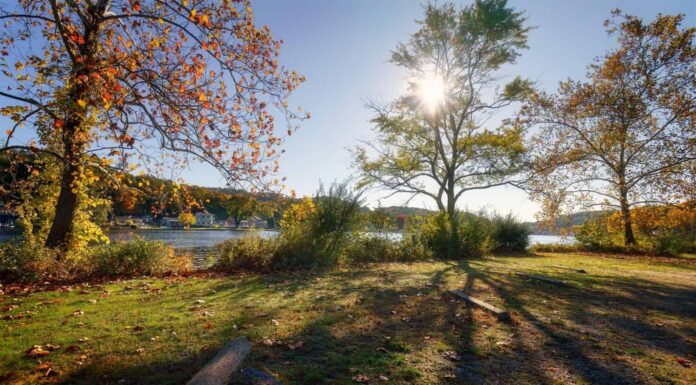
pixel 431 91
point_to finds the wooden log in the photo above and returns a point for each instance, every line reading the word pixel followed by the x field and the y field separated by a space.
pixel 219 370
pixel 543 279
pixel 501 314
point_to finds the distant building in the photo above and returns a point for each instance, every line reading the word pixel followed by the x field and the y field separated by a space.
pixel 253 223
pixel 128 221
pixel 7 217
pixel 205 219
pixel 170 222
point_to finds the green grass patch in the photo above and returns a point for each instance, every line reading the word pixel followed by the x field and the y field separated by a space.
pixel 392 321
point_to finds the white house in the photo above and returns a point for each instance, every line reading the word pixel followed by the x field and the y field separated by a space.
pixel 205 219
pixel 128 221
pixel 253 223
pixel 170 222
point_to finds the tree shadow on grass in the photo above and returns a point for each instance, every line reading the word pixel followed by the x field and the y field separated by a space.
pixel 403 326
pixel 601 310
pixel 407 333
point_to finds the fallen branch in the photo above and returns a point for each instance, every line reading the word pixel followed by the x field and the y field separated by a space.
pixel 219 370
pixel 501 314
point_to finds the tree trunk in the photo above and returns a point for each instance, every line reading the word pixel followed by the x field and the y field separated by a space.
pixel 455 242
pixel 629 238
pixel 66 209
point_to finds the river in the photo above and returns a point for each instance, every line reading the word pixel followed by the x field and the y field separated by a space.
pixel 200 242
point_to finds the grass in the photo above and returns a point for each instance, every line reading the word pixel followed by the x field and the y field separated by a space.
pixel 625 321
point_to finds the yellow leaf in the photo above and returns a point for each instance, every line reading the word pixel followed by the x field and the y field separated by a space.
pixel 82 103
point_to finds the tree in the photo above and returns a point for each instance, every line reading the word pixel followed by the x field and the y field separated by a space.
pixel 240 206
pixel 379 220
pixel 625 137
pixel 186 219
pixel 114 79
pixel 434 141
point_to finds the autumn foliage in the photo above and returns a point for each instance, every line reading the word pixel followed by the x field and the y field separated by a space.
pixel 115 84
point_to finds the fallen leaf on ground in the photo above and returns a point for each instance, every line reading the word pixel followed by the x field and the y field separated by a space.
pixel 383 377
pixel 275 322
pixel 684 362
pixel 140 350
pixel 361 378
pixel 36 351
pixel 72 349
pixel 77 313
pixel 83 339
pixel 451 355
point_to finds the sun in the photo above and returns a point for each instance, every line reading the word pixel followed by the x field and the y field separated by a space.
pixel 431 91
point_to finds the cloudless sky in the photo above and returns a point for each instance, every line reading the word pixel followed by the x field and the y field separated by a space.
pixel 343 47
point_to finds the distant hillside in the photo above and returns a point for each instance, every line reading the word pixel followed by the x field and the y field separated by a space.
pixel 395 211
pixel 565 222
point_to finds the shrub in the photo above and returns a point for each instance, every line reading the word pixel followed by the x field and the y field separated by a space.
pixel 136 257
pixel 470 240
pixel 373 249
pixel 370 249
pixel 508 234
pixel 313 232
pixel 27 262
pixel 249 253
pixel 594 235
pixel 669 243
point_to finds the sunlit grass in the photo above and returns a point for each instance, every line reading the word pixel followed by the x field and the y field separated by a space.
pixel 626 319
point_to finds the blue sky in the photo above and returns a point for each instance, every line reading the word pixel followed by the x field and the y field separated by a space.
pixel 343 47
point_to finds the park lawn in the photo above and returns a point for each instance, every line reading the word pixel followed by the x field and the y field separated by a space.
pixel 627 320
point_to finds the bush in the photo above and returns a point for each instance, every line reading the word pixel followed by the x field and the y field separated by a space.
pixel 594 235
pixel 23 261
pixel 314 232
pixel 373 249
pixel 669 243
pixel 249 253
pixel 471 239
pixel 508 234
pixel 136 257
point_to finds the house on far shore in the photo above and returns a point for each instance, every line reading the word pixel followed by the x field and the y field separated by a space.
pixel 170 222
pixel 253 223
pixel 205 219
pixel 128 221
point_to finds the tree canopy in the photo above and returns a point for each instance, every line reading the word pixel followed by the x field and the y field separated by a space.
pixel 112 83
pixel 626 136
pixel 436 140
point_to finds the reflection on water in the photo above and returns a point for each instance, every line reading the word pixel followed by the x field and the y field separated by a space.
pixel 199 242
